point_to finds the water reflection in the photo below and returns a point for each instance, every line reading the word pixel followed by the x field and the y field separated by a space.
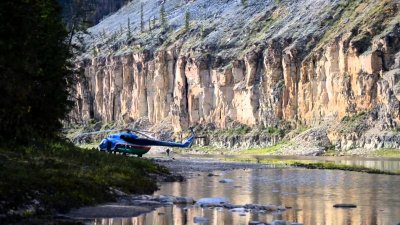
pixel 386 164
pixel 310 193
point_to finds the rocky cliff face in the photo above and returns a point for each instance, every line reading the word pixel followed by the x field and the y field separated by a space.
pixel 310 63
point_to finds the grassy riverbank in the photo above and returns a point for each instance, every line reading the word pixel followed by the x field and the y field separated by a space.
pixel 57 176
pixel 387 152
pixel 337 166
pixel 310 165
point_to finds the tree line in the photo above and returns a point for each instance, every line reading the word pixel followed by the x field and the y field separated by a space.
pixel 35 72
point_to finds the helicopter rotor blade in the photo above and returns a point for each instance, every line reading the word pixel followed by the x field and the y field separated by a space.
pixel 98 132
pixel 144 133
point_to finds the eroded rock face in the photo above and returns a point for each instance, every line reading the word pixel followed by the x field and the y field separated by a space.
pixel 278 82
pixel 263 88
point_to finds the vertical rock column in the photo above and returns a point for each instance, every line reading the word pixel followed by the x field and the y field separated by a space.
pixel 127 87
pixel 246 99
pixel 116 81
pixel 180 118
pixel 223 92
pixel 158 89
pixel 272 86
pixel 291 78
pixel 141 69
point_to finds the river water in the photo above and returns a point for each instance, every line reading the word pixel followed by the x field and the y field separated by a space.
pixel 311 195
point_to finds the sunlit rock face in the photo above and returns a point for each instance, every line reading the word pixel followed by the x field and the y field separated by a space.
pixel 283 79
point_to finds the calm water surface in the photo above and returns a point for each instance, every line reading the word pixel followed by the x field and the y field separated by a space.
pixel 310 193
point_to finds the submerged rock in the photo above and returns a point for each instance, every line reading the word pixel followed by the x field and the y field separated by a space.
pixel 183 200
pixel 212 175
pixel 226 181
pixel 166 199
pixel 146 202
pixel 256 223
pixel 238 210
pixel 258 207
pixel 159 200
pixel 345 205
pixel 200 219
pixel 280 222
pixel 108 211
pixel 212 202
pixel 231 206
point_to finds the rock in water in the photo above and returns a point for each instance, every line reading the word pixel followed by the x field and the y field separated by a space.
pixel 241 210
pixel 256 223
pixel 200 219
pixel 226 181
pixel 280 222
pixel 212 202
pixel 344 205
pixel 183 200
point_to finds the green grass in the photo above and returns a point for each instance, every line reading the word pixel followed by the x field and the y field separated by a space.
pixel 354 123
pixel 337 166
pixel 387 152
pixel 239 130
pixel 61 176
pixel 396 130
pixel 90 146
pixel 274 131
pixel 259 160
pixel 263 151
pixel 309 164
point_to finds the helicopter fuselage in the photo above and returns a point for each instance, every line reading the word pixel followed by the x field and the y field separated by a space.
pixel 130 143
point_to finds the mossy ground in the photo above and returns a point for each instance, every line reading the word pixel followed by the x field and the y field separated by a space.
pixel 58 176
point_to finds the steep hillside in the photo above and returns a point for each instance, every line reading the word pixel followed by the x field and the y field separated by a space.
pixel 92 11
pixel 283 64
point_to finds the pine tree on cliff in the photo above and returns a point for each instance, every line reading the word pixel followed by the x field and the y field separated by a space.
pixel 34 70
pixel 244 2
pixel 149 24
pixel 141 18
pixel 128 35
pixel 163 18
pixel 187 20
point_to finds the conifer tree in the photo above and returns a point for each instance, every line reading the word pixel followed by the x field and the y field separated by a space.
pixel 187 20
pixel 163 18
pixel 149 24
pixel 141 18
pixel 35 71
pixel 129 29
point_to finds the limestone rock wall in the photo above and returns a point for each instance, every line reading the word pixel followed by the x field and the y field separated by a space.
pixel 273 84
pixel 266 86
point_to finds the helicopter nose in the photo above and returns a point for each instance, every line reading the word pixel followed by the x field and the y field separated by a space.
pixel 103 144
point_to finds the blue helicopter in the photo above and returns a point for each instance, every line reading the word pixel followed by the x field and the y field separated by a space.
pixel 127 142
